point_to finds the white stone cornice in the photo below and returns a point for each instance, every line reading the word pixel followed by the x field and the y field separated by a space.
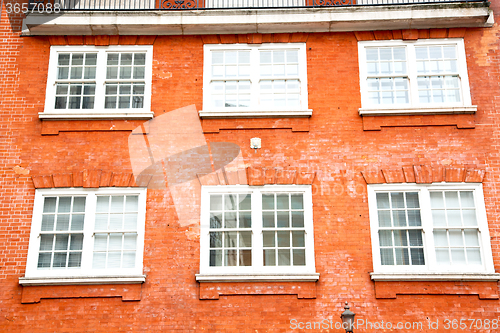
pixel 263 20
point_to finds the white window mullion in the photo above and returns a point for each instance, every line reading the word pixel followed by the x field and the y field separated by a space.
pixel 255 78
pixel 428 229
pixel 411 68
pixel 100 80
pixel 88 232
pixel 257 241
pixel 309 230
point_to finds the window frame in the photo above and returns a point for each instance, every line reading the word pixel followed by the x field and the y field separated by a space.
pixel 99 111
pixel 258 270
pixel 85 271
pixel 431 266
pixel 255 110
pixel 414 106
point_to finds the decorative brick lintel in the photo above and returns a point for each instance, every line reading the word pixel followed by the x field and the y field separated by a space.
pixel 424 174
pixel 258 177
pixel 86 179
pixel 102 40
pixel 298 37
pixel 409 34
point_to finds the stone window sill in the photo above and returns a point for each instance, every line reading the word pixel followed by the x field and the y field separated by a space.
pixel 411 111
pixel 255 114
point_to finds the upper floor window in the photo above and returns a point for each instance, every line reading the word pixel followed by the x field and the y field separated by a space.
pixel 414 76
pixel 429 228
pixel 255 80
pixel 87 233
pixel 257 230
pixel 99 82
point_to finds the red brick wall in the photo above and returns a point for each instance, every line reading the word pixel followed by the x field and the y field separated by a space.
pixel 331 143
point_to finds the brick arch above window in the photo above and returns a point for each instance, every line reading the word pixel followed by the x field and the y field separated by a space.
pixel 254 176
pixel 424 174
pixel 298 37
pixel 85 179
pixel 410 34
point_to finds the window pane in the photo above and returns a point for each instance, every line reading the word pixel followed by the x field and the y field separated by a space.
pixel 456 238
pixel 298 239
pixel 437 199
pixel 438 218
pixel 454 218
pixel 59 260
pixel 414 218
pixel 467 199
pixel 215 202
pixel 215 258
pixel 282 201
pixel 230 220
pixel 384 218
pixel 268 201
pixel 283 257
pixel 215 239
pixel 268 238
pixel 383 200
pixel 283 219
pixel 297 201
pixel 268 219
pixel 230 239
pixel 77 222
pixel 62 223
pixel 471 238
pixel 75 259
pixel 246 239
pixel 230 201
pixel 46 242
pixel 44 260
pixel 269 257
pixel 245 220
pixel 412 200
pixel 458 256
pixel 469 217
pixel 230 257
pixel 474 256
pixel 48 222
pixel 385 237
pixel 245 258
pixel 215 221
pixel 245 202
pixel 400 238
pixel 417 256
pixel 299 257
pixel 452 200
pixel 442 256
pixel 386 257
pixel 440 238
pixel 283 238
pixel 415 238
pixel 399 218
pixel 397 200
pixel 297 219
pixel 402 256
